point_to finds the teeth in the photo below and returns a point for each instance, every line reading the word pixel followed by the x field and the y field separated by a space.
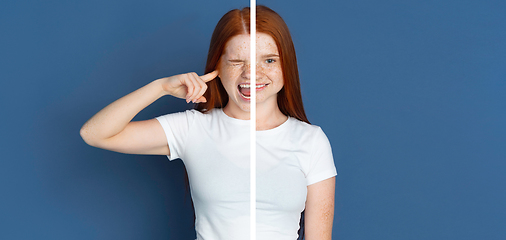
pixel 248 86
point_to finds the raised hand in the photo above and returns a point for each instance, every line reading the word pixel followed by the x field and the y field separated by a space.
pixel 189 86
pixel 112 127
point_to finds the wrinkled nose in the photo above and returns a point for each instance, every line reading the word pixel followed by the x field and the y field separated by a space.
pixel 246 73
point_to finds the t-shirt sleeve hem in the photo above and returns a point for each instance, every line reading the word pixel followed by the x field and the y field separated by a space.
pixel 170 138
pixel 322 176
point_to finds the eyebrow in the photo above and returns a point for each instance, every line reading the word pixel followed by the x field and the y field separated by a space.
pixel 263 56
pixel 270 55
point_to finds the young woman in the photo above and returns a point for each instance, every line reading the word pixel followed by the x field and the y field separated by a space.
pixel 295 168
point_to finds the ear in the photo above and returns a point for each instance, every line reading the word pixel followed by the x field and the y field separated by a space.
pixel 218 64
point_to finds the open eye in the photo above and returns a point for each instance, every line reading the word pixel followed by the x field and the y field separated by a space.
pixel 270 60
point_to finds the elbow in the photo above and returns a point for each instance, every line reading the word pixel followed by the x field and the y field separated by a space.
pixel 87 136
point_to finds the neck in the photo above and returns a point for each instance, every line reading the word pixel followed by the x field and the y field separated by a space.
pixel 269 118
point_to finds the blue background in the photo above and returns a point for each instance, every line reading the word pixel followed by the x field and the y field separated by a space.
pixel 410 93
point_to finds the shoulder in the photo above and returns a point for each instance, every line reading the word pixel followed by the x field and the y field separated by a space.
pixel 303 129
pixel 310 138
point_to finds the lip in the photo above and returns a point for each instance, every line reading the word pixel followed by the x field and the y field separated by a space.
pixel 257 89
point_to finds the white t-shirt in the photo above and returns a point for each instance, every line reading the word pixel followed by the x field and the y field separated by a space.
pixel 215 150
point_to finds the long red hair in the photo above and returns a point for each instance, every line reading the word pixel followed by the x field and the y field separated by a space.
pixel 237 22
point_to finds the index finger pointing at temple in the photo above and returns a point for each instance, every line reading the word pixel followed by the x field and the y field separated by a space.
pixel 210 76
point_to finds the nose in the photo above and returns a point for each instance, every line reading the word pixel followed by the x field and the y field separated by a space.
pixel 246 73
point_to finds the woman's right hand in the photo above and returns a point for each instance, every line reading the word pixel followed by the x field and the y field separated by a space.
pixel 189 86
pixel 112 127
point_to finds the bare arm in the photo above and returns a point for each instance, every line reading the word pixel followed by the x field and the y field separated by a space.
pixel 319 213
pixel 111 128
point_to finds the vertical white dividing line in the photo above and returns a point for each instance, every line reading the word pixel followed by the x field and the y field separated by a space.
pixel 253 125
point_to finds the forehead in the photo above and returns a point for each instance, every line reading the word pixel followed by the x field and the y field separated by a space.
pixel 239 46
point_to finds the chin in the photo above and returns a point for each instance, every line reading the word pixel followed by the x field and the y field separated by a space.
pixel 241 104
pixel 245 107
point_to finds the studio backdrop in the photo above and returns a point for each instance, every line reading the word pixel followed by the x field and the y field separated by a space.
pixel 411 95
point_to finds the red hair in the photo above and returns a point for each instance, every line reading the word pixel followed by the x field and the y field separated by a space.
pixel 236 22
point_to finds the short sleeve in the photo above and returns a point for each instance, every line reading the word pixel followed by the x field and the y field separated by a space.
pixel 176 127
pixel 322 162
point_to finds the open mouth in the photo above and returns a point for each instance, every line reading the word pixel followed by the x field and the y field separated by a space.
pixel 245 89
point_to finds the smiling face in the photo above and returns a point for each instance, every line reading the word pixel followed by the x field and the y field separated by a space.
pixel 235 68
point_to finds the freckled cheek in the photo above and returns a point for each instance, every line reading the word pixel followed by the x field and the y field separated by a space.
pixel 274 74
pixel 268 68
pixel 229 75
